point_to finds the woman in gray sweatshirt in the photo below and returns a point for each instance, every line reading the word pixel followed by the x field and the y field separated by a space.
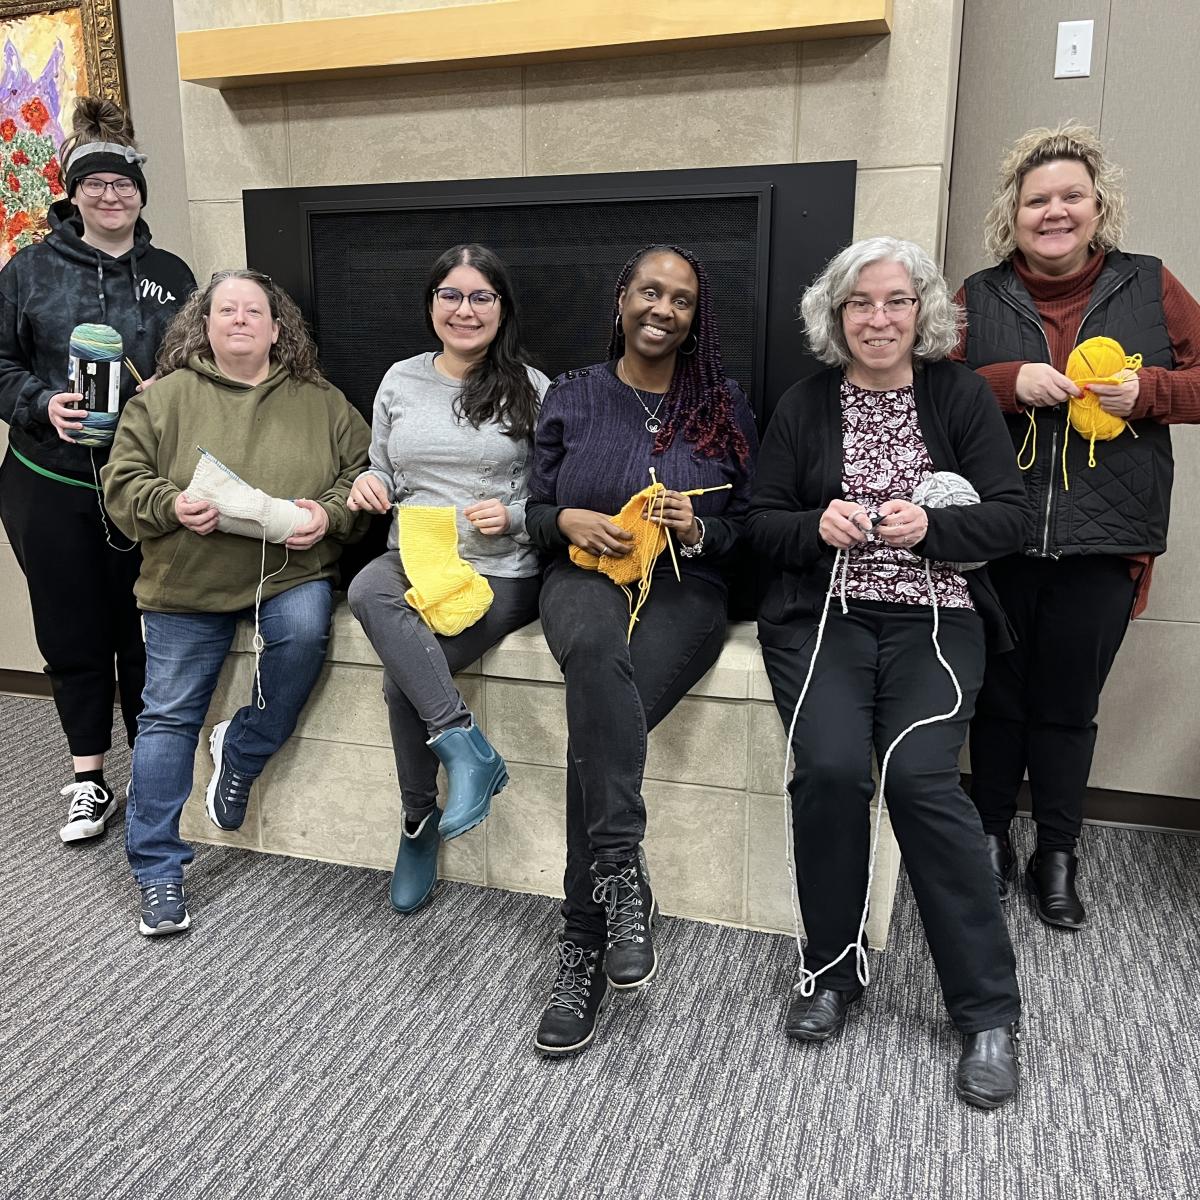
pixel 451 429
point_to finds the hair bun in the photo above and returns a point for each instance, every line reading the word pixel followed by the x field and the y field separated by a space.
pixel 100 120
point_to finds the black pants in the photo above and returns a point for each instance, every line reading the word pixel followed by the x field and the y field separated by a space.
pixel 617 693
pixel 877 673
pixel 81 593
pixel 1037 708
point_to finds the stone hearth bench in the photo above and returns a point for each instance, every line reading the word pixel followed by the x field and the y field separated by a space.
pixel 715 839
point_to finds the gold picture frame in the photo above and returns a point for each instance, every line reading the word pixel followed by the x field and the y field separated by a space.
pixel 51 52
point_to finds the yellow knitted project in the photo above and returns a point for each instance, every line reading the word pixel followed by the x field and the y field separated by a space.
pixel 449 594
pixel 1097 360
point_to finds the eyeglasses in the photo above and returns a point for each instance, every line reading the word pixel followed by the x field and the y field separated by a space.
pixel 95 188
pixel 451 298
pixel 861 311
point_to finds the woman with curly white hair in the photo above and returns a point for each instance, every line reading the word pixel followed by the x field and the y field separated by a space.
pixel 1099 509
pixel 901 643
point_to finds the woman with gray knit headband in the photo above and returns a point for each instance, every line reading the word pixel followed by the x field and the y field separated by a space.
pixel 95 268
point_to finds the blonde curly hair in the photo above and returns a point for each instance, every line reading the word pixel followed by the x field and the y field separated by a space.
pixel 188 333
pixel 1036 148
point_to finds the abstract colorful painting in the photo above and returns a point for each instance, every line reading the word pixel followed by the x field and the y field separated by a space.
pixel 52 52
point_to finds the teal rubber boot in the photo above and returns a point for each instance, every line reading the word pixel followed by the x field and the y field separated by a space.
pixel 416 865
pixel 475 772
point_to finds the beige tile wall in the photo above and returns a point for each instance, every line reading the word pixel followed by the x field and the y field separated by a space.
pixel 714 781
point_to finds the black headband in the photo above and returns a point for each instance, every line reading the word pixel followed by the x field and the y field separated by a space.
pixel 111 157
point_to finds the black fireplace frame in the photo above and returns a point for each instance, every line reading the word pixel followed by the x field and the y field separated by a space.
pixel 805 209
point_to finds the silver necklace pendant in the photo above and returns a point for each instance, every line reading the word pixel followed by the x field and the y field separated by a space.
pixel 653 424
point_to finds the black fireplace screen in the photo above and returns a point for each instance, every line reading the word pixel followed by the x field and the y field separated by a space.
pixel 356 259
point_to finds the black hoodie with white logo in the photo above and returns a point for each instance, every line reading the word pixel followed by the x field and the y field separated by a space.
pixel 49 288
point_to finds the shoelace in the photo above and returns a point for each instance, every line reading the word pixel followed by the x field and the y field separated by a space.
pixel 622 898
pixel 573 986
pixel 172 893
pixel 85 799
pixel 237 787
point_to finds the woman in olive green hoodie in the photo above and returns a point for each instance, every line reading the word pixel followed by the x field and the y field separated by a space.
pixel 238 378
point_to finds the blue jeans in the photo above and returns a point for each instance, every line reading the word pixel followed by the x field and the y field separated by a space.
pixel 184 653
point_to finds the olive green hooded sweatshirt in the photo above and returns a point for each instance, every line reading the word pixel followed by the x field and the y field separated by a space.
pixel 289 438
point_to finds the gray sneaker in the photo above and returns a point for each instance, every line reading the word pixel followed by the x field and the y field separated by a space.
pixel 163 910
pixel 228 790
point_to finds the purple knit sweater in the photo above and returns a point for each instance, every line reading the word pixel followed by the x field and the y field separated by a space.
pixel 592 451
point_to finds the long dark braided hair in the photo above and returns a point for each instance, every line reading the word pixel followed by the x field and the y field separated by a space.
pixel 698 404
pixel 499 388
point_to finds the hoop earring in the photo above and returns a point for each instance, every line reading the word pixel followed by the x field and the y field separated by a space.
pixel 617 324
pixel 695 346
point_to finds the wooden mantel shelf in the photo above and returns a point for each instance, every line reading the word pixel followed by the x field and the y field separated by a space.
pixel 497 33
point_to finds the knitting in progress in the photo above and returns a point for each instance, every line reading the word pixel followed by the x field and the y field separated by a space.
pixel 449 594
pixel 649 541
pixel 1097 360
pixel 941 490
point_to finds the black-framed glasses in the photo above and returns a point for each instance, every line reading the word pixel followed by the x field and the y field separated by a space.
pixel 95 188
pixel 863 310
pixel 450 299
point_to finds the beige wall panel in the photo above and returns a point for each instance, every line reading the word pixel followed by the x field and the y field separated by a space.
pixel 316 10
pixel 233 140
pixel 527 831
pixel 218 237
pixel 18 650
pixel 1173 594
pixel 1148 733
pixel 221 14
pixel 455 126
pixel 152 95
pixel 1151 130
pixel 885 101
pixel 1006 85
pixel 902 203
pixel 707 109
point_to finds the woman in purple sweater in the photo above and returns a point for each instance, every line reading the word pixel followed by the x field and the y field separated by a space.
pixel 661 402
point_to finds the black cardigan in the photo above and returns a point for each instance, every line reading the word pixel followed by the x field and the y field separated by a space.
pixel 800 471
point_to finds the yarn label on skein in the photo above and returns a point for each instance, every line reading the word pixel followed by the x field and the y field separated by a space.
pixel 98 382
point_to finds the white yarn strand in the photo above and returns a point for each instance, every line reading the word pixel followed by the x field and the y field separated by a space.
pixel 258 642
pixel 945 492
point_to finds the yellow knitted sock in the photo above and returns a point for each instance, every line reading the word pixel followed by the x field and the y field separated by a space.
pixel 449 594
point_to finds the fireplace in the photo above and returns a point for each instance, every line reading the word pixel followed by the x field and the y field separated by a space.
pixel 356 257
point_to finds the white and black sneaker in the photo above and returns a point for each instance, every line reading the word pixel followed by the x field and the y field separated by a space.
pixel 163 910
pixel 228 790
pixel 89 811
pixel 569 1021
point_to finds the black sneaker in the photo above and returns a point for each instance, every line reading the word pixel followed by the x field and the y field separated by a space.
pixel 163 910
pixel 624 890
pixel 90 808
pixel 569 1021
pixel 228 790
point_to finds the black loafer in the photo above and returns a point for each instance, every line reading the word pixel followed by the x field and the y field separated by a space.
pixel 1000 854
pixel 818 1017
pixel 987 1068
pixel 1050 878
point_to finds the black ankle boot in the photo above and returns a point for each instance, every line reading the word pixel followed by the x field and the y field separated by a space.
pixel 624 890
pixel 1000 853
pixel 987 1068
pixel 818 1017
pixel 1050 878
pixel 569 1021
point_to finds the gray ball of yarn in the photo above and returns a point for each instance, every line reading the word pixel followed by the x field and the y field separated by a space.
pixel 941 490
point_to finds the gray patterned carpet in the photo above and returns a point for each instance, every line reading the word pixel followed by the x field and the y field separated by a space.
pixel 305 1041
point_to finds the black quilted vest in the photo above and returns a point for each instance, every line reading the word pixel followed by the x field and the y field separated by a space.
pixel 1123 503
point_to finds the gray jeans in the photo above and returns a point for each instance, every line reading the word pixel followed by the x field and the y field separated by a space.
pixel 418 664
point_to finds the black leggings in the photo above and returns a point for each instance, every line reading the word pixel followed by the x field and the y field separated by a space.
pixel 81 592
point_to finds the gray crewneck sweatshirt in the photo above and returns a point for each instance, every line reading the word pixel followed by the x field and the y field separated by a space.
pixel 423 454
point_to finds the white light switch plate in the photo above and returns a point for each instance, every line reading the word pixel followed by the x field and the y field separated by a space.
pixel 1073 54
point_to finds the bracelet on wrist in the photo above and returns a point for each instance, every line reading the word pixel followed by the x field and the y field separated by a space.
pixel 695 550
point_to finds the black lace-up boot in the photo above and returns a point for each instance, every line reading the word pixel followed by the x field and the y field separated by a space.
pixel 579 988
pixel 624 890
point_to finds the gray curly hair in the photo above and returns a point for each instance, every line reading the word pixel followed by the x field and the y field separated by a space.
pixel 938 317
pixel 1037 148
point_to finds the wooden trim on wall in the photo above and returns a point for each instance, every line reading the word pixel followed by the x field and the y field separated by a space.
pixel 506 33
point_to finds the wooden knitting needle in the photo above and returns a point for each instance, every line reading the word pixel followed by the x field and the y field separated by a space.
pixel 670 544
pixel 133 371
